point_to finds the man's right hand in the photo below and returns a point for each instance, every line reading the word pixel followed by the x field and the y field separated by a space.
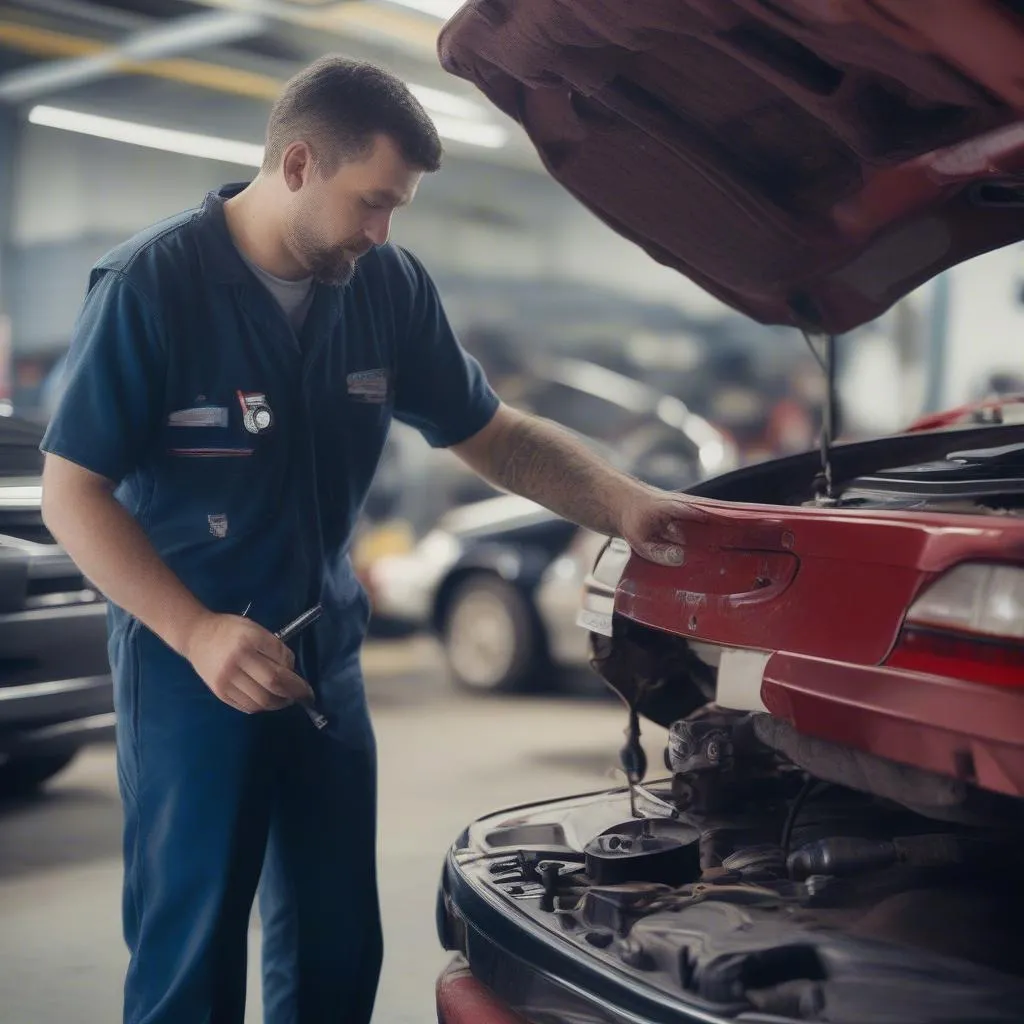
pixel 244 665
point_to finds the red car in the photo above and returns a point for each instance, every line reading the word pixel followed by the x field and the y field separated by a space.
pixel 840 660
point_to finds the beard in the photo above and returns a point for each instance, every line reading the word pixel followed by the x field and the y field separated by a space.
pixel 332 264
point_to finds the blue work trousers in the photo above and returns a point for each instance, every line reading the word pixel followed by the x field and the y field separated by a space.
pixel 219 805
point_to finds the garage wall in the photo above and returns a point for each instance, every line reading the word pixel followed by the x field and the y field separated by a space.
pixel 76 196
pixel 986 321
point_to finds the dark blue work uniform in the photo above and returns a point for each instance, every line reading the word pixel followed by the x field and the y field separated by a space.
pixel 245 453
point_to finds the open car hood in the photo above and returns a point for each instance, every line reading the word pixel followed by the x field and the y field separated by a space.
pixel 809 162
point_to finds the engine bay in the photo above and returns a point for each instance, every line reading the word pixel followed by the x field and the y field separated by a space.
pixel 974 481
pixel 978 464
pixel 746 887
pixel 771 875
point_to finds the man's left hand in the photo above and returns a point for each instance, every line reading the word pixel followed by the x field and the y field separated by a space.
pixel 655 526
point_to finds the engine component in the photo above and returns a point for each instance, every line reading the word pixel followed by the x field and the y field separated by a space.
pixel 841 855
pixel 612 859
pixel 617 908
pixel 845 855
pixel 981 475
pixel 713 739
pixel 699 746
pixel 648 851
pixel 757 862
pixel 715 758
pixel 549 872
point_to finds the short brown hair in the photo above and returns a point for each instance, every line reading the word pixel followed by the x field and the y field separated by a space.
pixel 338 105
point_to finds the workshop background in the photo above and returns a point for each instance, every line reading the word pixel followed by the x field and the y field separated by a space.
pixel 115 113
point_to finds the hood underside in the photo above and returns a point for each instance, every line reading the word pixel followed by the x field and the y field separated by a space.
pixel 809 162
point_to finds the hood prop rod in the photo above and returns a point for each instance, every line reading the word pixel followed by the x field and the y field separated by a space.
pixel 827 361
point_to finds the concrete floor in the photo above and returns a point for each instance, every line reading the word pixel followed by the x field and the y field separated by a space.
pixel 445 759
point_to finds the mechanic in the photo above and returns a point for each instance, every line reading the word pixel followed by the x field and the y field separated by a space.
pixel 230 383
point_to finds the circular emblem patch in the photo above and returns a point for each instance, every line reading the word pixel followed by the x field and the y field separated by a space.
pixel 257 416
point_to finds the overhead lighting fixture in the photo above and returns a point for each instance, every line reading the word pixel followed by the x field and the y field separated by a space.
pixel 231 151
pixel 473 133
pixel 460 119
pixel 441 102
pixel 208 147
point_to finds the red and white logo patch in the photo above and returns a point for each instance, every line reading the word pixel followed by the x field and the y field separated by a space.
pixel 257 416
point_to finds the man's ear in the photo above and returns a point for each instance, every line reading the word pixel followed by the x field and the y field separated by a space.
pixel 297 165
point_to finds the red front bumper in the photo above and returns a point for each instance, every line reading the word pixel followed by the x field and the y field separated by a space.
pixel 461 999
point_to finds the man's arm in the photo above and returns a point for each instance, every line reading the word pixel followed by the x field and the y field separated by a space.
pixel 110 548
pixel 541 461
pixel 443 393
pixel 106 420
pixel 243 664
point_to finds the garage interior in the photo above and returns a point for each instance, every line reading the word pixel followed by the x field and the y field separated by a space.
pixel 117 113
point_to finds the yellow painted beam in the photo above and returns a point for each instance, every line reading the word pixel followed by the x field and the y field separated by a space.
pixel 215 77
pixel 338 18
pixel 43 43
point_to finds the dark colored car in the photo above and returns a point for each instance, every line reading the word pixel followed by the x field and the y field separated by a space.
pixel 839 661
pixel 55 688
pixel 475 581
pixel 498 580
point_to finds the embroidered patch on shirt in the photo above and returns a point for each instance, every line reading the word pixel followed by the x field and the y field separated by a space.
pixel 218 525
pixel 368 386
pixel 257 417
pixel 199 416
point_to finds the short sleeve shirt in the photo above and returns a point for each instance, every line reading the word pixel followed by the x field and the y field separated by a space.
pixel 244 451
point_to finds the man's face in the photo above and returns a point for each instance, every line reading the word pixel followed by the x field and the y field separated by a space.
pixel 333 220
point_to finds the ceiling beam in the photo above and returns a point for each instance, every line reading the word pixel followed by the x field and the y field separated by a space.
pixel 75 55
pixel 182 70
pixel 405 31
pixel 92 13
pixel 198 31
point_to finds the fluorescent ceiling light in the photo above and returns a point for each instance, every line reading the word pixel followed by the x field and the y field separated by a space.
pixel 231 151
pixel 442 102
pixel 475 133
pixel 460 119
pixel 208 147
